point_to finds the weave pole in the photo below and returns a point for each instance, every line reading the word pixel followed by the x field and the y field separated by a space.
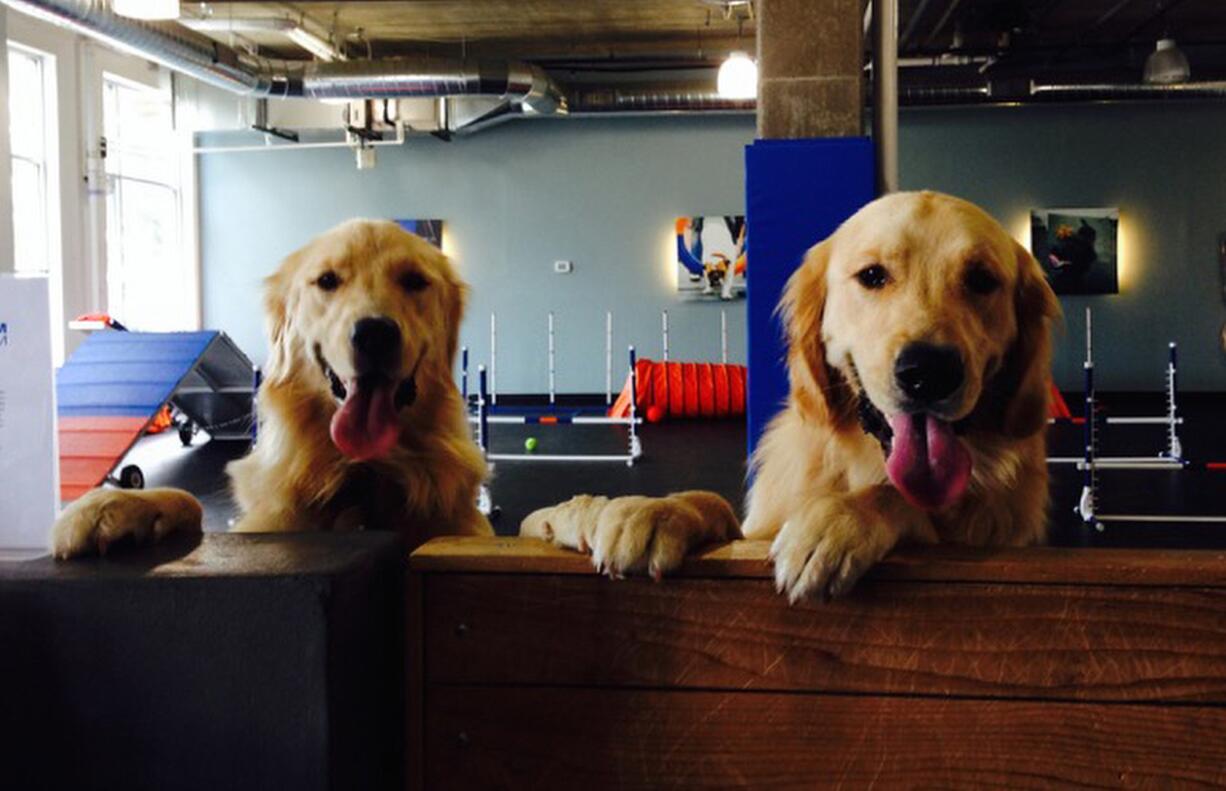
pixel 608 358
pixel 552 360
pixel 493 358
pixel 664 333
pixel 723 336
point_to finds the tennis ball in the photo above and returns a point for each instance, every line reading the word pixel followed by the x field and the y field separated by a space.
pixel 530 444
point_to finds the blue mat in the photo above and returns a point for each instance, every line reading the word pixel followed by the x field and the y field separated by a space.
pixel 128 374
pixel 797 193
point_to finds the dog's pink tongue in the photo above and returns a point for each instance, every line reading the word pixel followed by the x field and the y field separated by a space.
pixel 366 426
pixel 927 463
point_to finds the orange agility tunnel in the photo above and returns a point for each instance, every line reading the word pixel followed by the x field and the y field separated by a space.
pixel 685 390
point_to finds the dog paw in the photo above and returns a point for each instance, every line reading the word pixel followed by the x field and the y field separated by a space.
pixel 654 534
pixel 824 553
pixel 635 534
pixel 103 516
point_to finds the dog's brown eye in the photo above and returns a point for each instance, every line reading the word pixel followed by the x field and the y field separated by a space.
pixel 411 282
pixel 873 277
pixel 328 281
pixel 980 281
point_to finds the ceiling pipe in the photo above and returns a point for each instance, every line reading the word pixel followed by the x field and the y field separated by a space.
pixel 275 24
pixel 885 93
pixel 1213 89
pixel 189 53
pixel 614 100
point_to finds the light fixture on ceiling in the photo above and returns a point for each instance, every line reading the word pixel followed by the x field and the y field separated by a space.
pixel 146 9
pixel 1166 65
pixel 312 43
pixel 738 77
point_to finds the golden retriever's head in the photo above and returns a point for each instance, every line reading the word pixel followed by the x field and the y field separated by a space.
pixel 922 317
pixel 366 316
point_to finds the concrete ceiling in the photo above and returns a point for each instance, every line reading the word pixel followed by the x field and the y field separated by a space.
pixel 538 30
pixel 1029 38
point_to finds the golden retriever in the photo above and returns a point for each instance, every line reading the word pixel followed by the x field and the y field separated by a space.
pixel 918 355
pixel 361 425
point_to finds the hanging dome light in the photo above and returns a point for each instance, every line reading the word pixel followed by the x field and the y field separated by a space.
pixel 1166 65
pixel 146 9
pixel 738 77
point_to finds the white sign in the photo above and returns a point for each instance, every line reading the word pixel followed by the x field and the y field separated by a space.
pixel 29 460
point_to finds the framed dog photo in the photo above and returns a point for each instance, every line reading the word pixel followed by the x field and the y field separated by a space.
pixel 711 257
pixel 1078 249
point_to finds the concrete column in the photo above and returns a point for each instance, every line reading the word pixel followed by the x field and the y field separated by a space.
pixel 810 68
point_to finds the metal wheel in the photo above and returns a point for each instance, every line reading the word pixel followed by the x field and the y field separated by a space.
pixel 131 477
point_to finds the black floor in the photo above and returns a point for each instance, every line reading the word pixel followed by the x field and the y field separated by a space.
pixel 710 455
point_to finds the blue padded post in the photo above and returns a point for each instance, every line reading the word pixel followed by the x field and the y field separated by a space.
pixel 797 193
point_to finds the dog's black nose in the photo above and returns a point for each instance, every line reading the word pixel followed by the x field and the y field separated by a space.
pixel 376 345
pixel 927 373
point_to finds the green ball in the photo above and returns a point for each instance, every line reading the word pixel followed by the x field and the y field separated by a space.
pixel 530 444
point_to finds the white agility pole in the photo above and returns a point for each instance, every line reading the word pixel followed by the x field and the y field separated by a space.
pixel 664 332
pixel 1174 448
pixel 483 413
pixel 636 445
pixel 1160 518
pixel 493 358
pixel 552 374
pixel 608 357
pixel 723 336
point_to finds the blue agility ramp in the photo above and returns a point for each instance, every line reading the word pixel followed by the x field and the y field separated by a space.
pixel 797 193
pixel 115 384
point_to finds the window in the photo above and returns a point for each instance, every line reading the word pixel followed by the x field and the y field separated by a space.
pixel 147 271
pixel 34 143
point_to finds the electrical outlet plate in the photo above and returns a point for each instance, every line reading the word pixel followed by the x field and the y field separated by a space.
pixel 563 267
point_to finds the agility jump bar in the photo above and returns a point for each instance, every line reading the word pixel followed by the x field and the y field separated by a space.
pixel 556 420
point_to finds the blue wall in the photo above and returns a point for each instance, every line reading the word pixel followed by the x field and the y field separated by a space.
pixel 603 193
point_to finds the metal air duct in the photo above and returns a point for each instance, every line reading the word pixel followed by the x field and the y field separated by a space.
pixel 196 56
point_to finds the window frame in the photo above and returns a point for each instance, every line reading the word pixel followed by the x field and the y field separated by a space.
pixel 112 71
pixel 49 176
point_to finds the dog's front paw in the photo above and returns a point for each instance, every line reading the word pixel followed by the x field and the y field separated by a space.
pixel 654 534
pixel 635 534
pixel 827 549
pixel 103 516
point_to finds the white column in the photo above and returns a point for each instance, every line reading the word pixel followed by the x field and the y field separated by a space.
pixel 7 262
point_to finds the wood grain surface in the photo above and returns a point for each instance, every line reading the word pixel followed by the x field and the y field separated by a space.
pixel 1109 643
pixel 481 737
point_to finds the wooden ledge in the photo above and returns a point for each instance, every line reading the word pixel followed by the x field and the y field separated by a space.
pixel 748 560
pixel 947 667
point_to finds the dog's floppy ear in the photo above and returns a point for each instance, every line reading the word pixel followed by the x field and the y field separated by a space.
pixel 1025 377
pixel 455 301
pixel 276 316
pixel 819 391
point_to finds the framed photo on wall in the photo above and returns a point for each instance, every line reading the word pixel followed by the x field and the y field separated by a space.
pixel 430 230
pixel 711 257
pixel 1078 249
